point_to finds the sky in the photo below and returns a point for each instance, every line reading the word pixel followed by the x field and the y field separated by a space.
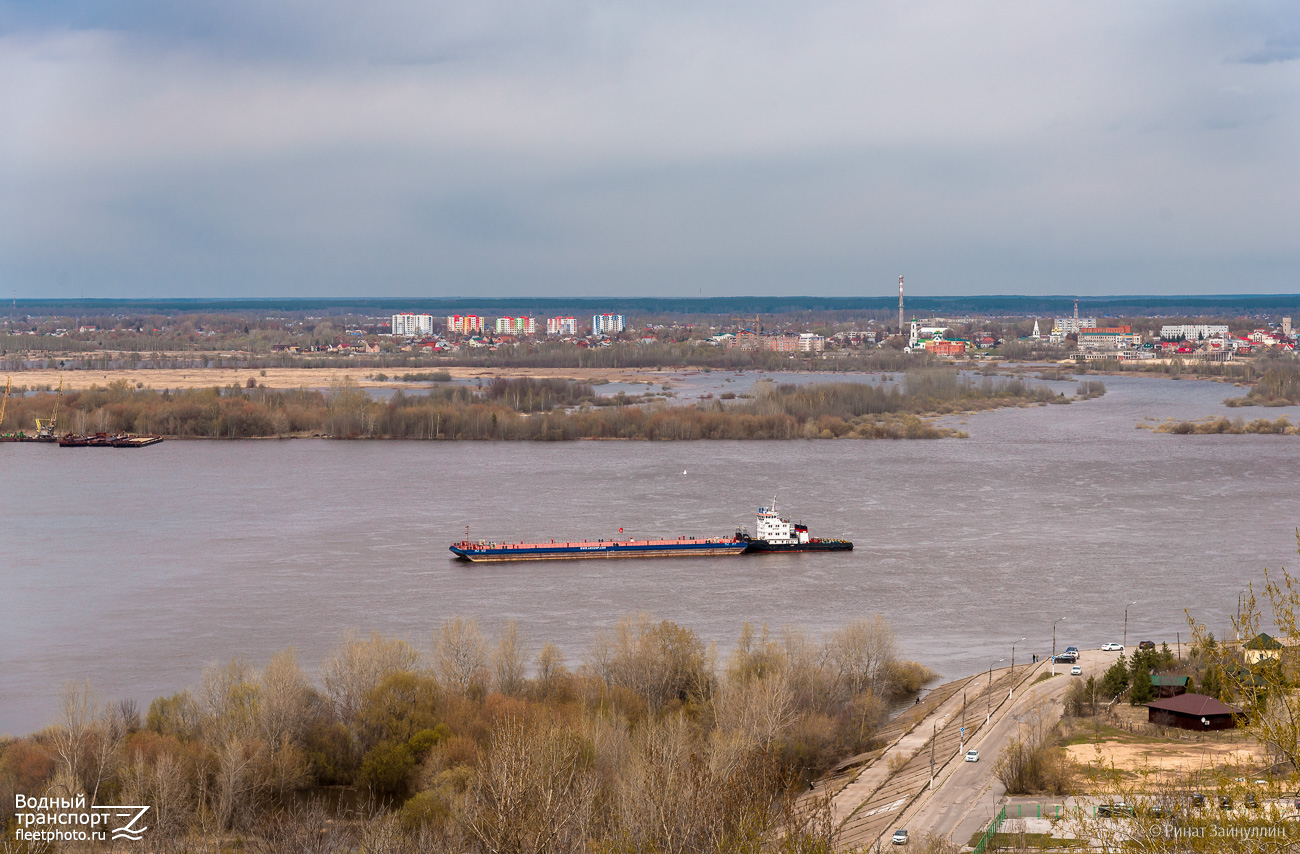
pixel 242 148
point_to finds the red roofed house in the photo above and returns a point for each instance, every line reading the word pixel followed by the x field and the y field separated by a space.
pixel 1196 712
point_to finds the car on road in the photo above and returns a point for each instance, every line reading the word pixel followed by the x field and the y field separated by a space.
pixel 900 837
pixel 1112 647
pixel 1111 810
pixel 1147 645
pixel 972 756
pixel 1073 649
pixel 1076 670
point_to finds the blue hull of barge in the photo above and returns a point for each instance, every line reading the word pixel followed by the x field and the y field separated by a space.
pixel 600 550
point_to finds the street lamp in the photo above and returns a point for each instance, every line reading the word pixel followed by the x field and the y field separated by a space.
pixel 961 741
pixel 989 693
pixel 1126 607
pixel 1054 622
pixel 1012 689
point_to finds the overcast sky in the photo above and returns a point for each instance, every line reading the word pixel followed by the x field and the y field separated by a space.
pixel 586 147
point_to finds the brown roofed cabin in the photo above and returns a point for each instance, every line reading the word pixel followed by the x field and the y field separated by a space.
pixel 1195 712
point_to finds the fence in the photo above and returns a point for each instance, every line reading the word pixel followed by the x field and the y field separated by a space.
pixel 992 830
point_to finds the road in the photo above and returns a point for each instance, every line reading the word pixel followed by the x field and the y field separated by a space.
pixel 968 795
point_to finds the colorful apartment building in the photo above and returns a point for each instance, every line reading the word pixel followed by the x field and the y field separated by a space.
pixel 464 324
pixel 516 326
pixel 561 326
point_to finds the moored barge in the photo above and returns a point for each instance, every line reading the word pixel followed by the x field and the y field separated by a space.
pixel 108 440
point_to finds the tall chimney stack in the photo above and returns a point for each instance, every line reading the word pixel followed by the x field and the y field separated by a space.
pixel 900 305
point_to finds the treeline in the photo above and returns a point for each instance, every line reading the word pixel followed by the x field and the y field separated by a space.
pixel 531 409
pixel 546 354
pixel 644 745
pixel 1279 385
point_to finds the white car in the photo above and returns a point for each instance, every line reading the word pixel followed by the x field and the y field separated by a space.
pixel 1076 670
pixel 1112 647
pixel 900 837
pixel 972 756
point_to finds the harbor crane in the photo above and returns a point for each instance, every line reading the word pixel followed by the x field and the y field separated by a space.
pixel 46 428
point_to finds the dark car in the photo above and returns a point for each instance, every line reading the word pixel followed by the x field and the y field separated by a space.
pixel 1198 800
pixel 1251 801
pixel 1147 645
pixel 1225 802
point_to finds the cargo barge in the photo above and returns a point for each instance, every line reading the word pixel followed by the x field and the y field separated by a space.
pixel 485 551
pixel 773 534
pixel 108 440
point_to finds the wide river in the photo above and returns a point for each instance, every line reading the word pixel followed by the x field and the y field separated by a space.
pixel 134 569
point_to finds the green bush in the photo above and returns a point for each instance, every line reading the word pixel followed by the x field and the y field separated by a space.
pixel 386 769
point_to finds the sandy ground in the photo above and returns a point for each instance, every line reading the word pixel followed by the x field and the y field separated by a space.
pixel 1168 759
pixel 315 377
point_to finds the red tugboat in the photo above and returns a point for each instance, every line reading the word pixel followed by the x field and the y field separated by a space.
pixel 777 534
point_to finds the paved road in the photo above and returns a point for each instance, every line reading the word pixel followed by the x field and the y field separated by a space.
pixel 891 791
pixel 968 795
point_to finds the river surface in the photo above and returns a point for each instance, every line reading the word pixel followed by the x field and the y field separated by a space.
pixel 134 569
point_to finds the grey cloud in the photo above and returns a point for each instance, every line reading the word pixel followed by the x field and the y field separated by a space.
pixel 595 147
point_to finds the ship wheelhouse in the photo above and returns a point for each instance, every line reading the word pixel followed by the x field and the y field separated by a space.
pixel 777 530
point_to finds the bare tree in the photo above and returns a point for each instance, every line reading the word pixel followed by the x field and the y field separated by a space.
pixel 165 786
pixel 71 738
pixel 228 699
pixel 657 661
pixel 236 783
pixel 359 665
pixel 304 829
pixel 861 653
pixel 110 730
pixel 286 696
pixel 550 668
pixel 461 655
pixel 533 793
pixel 759 711
pixel 756 655
pixel 508 660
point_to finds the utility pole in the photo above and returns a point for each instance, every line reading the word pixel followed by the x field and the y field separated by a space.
pixel 934 736
pixel 1054 644
pixel 1126 607
pixel 988 694
pixel 1011 690
pixel 961 741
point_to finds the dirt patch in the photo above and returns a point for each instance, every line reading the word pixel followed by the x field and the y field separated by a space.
pixel 1167 759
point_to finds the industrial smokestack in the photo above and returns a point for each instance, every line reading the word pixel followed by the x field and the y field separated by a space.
pixel 900 305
